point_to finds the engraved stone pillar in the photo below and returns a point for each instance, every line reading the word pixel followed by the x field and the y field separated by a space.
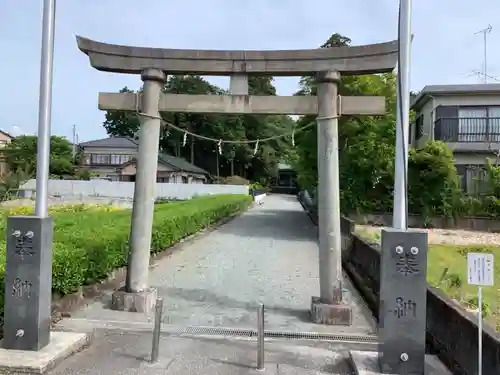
pixel 137 296
pixel 329 308
pixel 28 283
pixel 403 299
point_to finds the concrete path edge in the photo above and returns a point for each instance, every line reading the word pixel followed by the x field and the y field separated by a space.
pixel 61 346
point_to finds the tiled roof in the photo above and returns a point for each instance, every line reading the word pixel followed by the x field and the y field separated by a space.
pixel 180 163
pixel 111 142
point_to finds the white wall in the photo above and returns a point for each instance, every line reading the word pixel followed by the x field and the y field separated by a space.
pixel 118 189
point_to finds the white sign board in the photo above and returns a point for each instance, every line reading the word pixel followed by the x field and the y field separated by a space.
pixel 480 269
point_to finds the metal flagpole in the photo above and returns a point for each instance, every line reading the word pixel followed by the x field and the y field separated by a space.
pixel 400 207
pixel 45 108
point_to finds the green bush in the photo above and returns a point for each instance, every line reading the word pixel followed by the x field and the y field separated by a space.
pixel 89 245
pixel 432 180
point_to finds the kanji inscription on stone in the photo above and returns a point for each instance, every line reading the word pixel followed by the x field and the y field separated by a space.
pixel 24 243
pixel 407 264
pixel 28 283
pixel 403 298
pixel 22 288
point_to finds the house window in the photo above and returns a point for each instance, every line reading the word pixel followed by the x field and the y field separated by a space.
pixel 478 124
pixel 162 179
pixel 472 124
pixel 472 178
pixel 99 159
pixel 419 127
pixel 494 124
pixel 184 179
pixel 120 159
pixel 109 159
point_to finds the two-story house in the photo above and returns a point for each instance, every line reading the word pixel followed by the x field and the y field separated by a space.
pixel 5 139
pixel 467 119
pixel 114 159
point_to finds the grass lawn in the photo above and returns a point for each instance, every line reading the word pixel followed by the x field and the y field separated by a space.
pixel 447 270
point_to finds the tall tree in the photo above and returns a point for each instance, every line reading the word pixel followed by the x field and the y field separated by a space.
pixel 366 144
pixel 20 155
pixel 121 123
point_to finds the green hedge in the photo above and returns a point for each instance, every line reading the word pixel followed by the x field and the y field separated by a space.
pixel 89 245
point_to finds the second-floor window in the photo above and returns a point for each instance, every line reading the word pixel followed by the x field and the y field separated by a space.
pixel 110 159
pixel 467 123
pixel 477 124
pixel 120 159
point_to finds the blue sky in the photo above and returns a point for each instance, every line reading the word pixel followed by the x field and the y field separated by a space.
pixel 445 49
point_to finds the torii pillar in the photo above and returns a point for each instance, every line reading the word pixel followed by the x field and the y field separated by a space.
pixel 329 307
pixel 137 295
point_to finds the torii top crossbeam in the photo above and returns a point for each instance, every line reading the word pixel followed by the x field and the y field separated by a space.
pixel 357 60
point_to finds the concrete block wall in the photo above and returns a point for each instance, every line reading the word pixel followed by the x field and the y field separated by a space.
pixel 125 190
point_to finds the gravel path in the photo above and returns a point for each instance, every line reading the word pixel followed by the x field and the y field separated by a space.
pixel 269 254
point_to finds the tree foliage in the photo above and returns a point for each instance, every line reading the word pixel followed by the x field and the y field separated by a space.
pixel 236 159
pixel 367 152
pixel 20 155
pixel 121 122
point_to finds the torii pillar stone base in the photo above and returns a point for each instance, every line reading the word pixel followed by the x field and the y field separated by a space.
pixel 330 314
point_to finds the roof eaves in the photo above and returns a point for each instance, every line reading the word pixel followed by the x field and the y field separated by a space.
pixel 430 91
pixel 163 160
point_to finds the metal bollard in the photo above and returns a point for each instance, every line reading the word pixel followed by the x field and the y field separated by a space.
pixel 156 330
pixel 260 337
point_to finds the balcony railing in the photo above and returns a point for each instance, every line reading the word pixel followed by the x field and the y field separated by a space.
pixel 467 129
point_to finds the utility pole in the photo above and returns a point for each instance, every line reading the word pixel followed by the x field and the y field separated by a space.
pixel 74 141
pixel 485 33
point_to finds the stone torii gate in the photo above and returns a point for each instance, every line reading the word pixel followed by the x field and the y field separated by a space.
pixel 327 65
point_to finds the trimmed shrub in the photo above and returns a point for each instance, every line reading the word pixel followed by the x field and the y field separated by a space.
pixel 90 243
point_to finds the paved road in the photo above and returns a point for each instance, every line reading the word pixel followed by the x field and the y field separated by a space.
pixel 268 255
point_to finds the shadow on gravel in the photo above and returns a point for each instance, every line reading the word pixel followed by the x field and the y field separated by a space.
pixel 208 297
pixel 289 225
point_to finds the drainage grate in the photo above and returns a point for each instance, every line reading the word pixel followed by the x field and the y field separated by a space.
pixel 236 332
pixel 175 330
